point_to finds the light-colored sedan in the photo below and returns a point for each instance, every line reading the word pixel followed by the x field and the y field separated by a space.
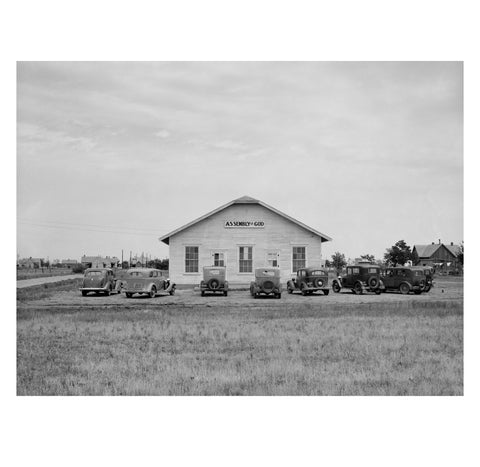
pixel 146 281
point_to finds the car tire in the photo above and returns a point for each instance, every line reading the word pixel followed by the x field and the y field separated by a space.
pixel 213 284
pixel 84 293
pixel 336 287
pixel 378 291
pixel 304 290
pixel 427 288
pixel 404 288
pixel 172 292
pixel 326 292
pixel 417 292
pixel 128 294
pixel 358 289
pixel 202 293
pixel 373 282
pixel 225 294
pixel 279 295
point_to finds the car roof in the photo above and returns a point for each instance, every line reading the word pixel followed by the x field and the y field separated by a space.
pixel 312 268
pixel 98 269
pixel 214 267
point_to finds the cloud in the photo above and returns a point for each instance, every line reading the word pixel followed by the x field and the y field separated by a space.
pixel 162 133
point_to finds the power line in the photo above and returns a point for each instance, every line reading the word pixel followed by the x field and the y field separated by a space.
pixel 44 222
pixel 33 224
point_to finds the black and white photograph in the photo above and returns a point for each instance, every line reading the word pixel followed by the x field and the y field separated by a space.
pixel 239 231
pixel 240 228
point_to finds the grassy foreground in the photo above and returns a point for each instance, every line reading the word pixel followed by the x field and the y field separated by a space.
pixel 367 349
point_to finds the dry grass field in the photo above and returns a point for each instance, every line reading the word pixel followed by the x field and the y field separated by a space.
pixel 189 345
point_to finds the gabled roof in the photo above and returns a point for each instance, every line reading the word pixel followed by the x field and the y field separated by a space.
pixel 243 200
pixel 425 251
pixel 454 249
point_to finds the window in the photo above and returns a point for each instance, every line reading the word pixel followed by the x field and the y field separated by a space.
pixel 218 259
pixel 272 259
pixel 191 259
pixel 298 258
pixel 245 259
pixel 372 270
pixel 355 270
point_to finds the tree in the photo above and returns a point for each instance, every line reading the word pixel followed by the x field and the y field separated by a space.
pixel 399 253
pixel 460 255
pixel 367 257
pixel 338 260
pixel 158 264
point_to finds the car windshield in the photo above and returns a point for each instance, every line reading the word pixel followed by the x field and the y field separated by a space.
pixel 266 273
pixel 372 270
pixel 419 273
pixel 94 273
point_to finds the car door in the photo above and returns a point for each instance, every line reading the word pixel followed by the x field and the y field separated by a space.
pixel 348 280
pixel 389 278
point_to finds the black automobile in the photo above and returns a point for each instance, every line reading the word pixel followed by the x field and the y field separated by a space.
pixel 360 278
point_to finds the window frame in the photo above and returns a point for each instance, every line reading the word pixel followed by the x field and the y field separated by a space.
pixel 239 259
pixel 185 259
pixel 305 265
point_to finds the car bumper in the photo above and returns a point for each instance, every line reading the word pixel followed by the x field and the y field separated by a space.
pixel 94 289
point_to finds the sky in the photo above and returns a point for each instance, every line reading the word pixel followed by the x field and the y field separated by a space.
pixel 113 155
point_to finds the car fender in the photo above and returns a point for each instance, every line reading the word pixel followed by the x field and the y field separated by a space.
pixel 171 286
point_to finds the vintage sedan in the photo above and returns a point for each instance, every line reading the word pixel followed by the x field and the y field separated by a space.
pixel 214 280
pixel 267 282
pixel 308 281
pixel 100 280
pixel 405 279
pixel 146 281
pixel 360 278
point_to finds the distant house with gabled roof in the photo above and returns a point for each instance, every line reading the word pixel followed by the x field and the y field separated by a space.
pixel 442 257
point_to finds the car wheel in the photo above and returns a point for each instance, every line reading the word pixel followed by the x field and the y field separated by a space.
pixel 202 293
pixel 128 294
pixel 358 289
pixel 255 295
pixel 153 291
pixel 418 292
pixel 279 295
pixel 427 288
pixel 303 288
pixel 84 293
pixel 336 287
pixel 373 282
pixel 325 292
pixel 378 291
pixel 172 292
pixel 213 284
pixel 225 293
pixel 404 288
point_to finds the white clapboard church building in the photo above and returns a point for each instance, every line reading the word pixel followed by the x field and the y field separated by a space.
pixel 242 235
